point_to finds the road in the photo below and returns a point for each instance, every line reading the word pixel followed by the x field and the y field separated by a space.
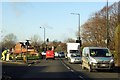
pixel 54 69
pixel 95 75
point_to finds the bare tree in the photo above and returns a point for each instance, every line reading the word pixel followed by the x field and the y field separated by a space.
pixel 9 41
pixel 95 29
pixel 69 40
pixel 117 43
pixel 36 41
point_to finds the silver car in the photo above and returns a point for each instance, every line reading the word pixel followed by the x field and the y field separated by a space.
pixel 75 58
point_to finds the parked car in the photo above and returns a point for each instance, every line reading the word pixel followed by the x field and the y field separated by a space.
pixel 75 58
pixel 61 54
pixel 94 58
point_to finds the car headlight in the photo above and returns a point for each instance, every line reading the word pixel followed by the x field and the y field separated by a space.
pixel 72 60
pixel 94 64
pixel 111 61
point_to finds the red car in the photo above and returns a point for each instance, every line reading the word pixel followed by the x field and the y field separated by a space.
pixel 50 54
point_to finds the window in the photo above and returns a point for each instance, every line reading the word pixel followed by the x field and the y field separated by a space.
pixel 99 53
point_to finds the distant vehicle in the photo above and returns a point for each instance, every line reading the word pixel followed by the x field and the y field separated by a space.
pixel 94 58
pixel 43 53
pixel 61 54
pixel 56 54
pixel 75 58
pixel 50 54
pixel 72 48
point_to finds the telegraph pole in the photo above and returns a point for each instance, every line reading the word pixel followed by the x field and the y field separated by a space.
pixel 107 25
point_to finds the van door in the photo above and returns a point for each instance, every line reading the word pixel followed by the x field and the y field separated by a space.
pixel 85 58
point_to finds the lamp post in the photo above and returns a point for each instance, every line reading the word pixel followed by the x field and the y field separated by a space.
pixel 44 33
pixel 79 39
pixel 44 36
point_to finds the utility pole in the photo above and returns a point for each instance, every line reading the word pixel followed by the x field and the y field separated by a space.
pixel 107 25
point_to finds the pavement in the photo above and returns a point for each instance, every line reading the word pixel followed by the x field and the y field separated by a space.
pixel 21 62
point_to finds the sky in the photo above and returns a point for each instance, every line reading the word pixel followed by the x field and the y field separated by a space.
pixel 24 19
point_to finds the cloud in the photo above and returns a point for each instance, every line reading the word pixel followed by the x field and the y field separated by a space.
pixel 16 9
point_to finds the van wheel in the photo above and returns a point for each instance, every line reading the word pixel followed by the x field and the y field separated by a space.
pixel 83 67
pixel 90 69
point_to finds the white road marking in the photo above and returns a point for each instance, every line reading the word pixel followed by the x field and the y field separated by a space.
pixel 29 64
pixel 81 77
pixel 72 70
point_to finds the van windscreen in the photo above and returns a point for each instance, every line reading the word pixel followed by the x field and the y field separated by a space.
pixel 74 51
pixel 100 53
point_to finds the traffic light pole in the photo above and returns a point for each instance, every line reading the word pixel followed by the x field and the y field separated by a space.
pixel 27 43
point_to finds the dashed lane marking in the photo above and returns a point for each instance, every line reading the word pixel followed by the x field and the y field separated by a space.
pixel 73 70
pixel 29 64
pixel 81 77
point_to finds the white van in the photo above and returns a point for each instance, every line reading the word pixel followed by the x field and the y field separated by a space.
pixel 94 58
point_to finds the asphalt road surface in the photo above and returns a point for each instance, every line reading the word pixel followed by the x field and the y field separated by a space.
pixel 54 69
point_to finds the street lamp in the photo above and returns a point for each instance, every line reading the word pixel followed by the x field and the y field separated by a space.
pixel 79 39
pixel 44 34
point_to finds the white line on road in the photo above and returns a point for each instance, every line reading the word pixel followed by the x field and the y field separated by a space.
pixel 29 64
pixel 73 70
pixel 65 65
pixel 81 77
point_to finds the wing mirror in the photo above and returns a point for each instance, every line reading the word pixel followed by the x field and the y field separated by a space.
pixel 112 55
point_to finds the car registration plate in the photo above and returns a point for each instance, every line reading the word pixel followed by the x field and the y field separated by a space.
pixel 103 65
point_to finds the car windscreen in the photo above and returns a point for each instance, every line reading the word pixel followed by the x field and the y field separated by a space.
pixel 75 55
pixel 100 53
pixel 61 53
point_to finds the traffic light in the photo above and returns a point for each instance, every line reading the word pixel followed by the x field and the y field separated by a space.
pixel 47 40
pixel 27 43
pixel 79 41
